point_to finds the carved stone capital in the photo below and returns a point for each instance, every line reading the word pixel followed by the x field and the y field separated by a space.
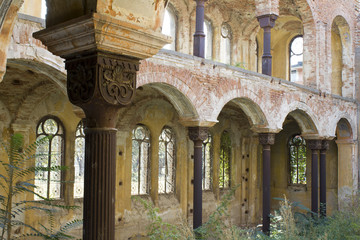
pixel 267 138
pixel 325 145
pixel 198 133
pixel 267 21
pixel 101 78
pixel 314 144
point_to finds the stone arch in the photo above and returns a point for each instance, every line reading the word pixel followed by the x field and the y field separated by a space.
pixel 178 91
pixel 254 113
pixel 344 129
pixel 304 116
pixel 52 74
pixel 341 59
pixel 181 103
pixel 346 119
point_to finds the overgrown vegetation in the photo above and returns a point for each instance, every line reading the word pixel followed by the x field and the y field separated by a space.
pixel 291 221
pixel 16 181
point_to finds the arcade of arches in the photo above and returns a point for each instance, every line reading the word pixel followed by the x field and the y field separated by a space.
pixel 301 119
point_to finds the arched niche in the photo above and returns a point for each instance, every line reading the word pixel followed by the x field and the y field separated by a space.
pixel 347 162
pixel 341 60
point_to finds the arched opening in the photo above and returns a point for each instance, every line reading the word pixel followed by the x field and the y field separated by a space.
pixel 347 163
pixel 341 60
pixel 237 159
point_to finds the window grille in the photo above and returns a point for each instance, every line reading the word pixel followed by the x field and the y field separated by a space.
pixel 167 161
pixel 297 152
pixel 140 174
pixel 225 160
pixel 49 155
pixel 79 161
pixel 207 163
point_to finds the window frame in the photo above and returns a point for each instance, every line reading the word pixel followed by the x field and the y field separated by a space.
pixel 148 173
pixel 173 12
pixel 207 141
pixel 290 53
pixel 63 149
pixel 223 187
pixel 290 183
pixel 81 128
pixel 173 138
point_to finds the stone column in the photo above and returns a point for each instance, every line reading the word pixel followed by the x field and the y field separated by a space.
pixel 100 83
pixel 199 36
pixel 266 140
pixel 324 148
pixel 266 23
pixel 102 57
pixel 198 135
pixel 314 146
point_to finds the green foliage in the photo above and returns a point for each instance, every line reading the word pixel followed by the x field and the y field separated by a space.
pixel 291 221
pixel 157 229
pixel 16 180
pixel 225 157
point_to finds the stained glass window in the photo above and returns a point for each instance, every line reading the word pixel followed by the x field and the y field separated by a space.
pixel 297 150
pixel 225 160
pixel 140 174
pixel 296 59
pixel 207 163
pixel 169 27
pixel 79 161
pixel 49 156
pixel 167 161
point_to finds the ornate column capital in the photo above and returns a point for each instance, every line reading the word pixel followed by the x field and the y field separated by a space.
pixel 267 138
pixel 110 77
pixel 325 145
pixel 198 133
pixel 267 20
pixel 314 144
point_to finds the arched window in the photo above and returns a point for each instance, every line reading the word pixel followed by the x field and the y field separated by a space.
pixel 49 157
pixel 297 152
pixel 140 173
pixel 296 59
pixel 169 27
pixel 208 39
pixel 225 160
pixel 225 44
pixel 207 163
pixel 167 161
pixel 79 161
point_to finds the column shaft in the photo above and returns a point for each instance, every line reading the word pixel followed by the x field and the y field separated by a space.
pixel 315 146
pixel 314 181
pixel 99 185
pixel 266 188
pixel 325 146
pixel 266 140
pixel 199 36
pixel 267 22
pixel 197 184
pixel 197 135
